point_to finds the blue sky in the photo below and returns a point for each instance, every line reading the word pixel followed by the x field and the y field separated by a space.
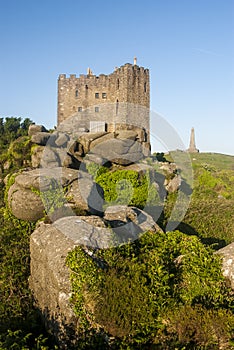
pixel 188 46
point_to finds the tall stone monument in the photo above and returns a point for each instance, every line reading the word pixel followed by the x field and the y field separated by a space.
pixel 192 146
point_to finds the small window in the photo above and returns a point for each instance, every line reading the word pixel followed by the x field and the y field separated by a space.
pixel 77 93
pixel 79 109
pixel 117 84
pixel 117 107
pixel 96 94
pixel 96 109
pixel 144 87
pixel 104 95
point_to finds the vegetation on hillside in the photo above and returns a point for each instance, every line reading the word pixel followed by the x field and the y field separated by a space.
pixel 20 323
pixel 163 291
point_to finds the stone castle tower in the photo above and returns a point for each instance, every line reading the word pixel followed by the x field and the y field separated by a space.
pixel 120 100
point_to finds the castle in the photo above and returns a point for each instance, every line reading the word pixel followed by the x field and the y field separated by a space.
pixel 118 101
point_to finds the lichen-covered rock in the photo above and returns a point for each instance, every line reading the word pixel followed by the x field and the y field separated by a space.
pixel 173 185
pixel 40 191
pixel 227 254
pixel 49 247
pixel 25 204
pixel 34 129
pixel 129 222
pixel 126 134
pixel 41 138
pixel 123 152
pixel 36 155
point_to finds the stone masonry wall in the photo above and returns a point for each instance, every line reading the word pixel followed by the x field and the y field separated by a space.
pixel 119 98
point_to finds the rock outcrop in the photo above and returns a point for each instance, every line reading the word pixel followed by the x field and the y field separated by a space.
pixel 60 149
pixel 49 247
pixel 40 191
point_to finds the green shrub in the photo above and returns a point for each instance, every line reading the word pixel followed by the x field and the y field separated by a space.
pixel 128 187
pixel 129 291
pixel 20 323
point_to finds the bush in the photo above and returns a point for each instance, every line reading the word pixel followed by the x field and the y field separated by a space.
pixel 129 291
pixel 128 187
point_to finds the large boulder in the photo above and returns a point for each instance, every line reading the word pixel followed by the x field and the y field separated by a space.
pixel 40 190
pixel 128 222
pixel 34 129
pixel 41 138
pixel 25 204
pixel 49 247
pixel 122 152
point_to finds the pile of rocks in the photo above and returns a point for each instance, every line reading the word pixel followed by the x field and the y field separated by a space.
pixel 59 149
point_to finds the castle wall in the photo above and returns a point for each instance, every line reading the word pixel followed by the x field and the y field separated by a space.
pixel 119 98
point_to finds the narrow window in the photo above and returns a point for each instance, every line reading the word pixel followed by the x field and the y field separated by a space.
pixel 104 95
pixel 144 87
pixel 96 109
pixel 117 84
pixel 117 106
pixel 86 90
pixel 96 94
pixel 77 93
pixel 79 109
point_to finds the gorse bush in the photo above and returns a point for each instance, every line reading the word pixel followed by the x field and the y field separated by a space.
pixel 128 187
pixel 131 290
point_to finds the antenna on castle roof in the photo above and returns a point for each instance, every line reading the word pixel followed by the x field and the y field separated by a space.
pixel 135 61
pixel 89 71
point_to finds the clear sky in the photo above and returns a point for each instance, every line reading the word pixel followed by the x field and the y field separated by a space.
pixel 188 45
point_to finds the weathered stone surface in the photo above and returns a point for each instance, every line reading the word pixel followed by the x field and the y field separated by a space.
pixel 83 194
pixel 50 158
pixel 70 161
pixel 169 168
pixel 62 140
pixel 103 138
pixel 40 179
pixel 41 138
pixel 227 254
pixel 86 195
pixel 37 153
pixel 172 185
pixel 86 139
pixel 34 129
pixel 141 168
pixel 25 204
pixel 128 222
pixel 123 152
pixel 126 134
pixel 49 280
pixel 75 148
pixel 50 277
pixel 49 246
pixel 94 158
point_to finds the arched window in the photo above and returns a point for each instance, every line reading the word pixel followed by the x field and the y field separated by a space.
pixel 77 93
